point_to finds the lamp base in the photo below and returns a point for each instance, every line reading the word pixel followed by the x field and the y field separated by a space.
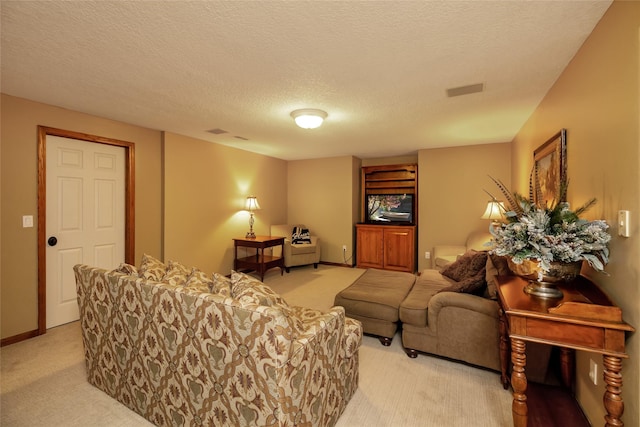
pixel 250 235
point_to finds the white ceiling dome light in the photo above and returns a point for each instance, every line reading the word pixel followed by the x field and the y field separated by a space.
pixel 308 118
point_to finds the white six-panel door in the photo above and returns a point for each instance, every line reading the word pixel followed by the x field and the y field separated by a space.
pixel 85 217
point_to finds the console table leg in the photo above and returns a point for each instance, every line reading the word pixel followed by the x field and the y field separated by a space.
pixel 519 408
pixel 504 351
pixel 613 403
pixel 568 367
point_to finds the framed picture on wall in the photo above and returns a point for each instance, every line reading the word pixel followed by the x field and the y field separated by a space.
pixel 550 169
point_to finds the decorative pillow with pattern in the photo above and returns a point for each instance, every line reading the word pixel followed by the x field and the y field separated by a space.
pixel 177 274
pixel 128 269
pixel 300 235
pixel 199 280
pixel 221 285
pixel 250 291
pixel 152 268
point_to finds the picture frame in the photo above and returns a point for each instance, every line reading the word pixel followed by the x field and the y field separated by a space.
pixel 550 169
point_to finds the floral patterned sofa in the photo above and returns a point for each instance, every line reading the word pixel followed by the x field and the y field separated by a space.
pixel 181 348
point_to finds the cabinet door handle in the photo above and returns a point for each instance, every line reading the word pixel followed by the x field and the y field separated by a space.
pixel 401 234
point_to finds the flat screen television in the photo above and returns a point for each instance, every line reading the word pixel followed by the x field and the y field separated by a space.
pixel 390 208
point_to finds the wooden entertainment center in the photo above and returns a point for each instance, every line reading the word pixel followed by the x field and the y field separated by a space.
pixel 388 245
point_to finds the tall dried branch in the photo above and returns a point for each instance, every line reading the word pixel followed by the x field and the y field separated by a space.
pixel 511 199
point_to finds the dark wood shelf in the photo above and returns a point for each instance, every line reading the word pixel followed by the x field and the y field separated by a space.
pixel 553 406
pixel 258 262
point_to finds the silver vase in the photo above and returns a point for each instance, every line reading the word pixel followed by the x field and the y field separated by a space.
pixel 543 283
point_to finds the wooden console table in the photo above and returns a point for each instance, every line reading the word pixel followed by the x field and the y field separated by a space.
pixel 584 319
pixel 258 262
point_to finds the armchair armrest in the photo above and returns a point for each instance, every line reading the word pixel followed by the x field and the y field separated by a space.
pixel 320 325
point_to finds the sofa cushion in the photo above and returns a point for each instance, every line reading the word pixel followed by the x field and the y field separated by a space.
pixel 413 309
pixel 303 248
pixel 468 265
pixel 151 268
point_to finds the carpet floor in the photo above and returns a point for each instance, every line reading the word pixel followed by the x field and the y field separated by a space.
pixel 43 379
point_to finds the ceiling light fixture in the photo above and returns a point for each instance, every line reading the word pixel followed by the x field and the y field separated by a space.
pixel 308 118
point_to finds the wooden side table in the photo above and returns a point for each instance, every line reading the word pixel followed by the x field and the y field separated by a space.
pixel 258 262
pixel 584 319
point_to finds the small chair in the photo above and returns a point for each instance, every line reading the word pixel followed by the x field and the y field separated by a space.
pixel 296 253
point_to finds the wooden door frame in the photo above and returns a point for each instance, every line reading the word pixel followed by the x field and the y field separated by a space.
pixel 129 228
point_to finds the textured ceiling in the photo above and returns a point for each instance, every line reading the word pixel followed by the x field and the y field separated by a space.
pixel 379 69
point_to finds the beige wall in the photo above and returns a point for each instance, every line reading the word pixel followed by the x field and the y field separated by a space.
pixel 205 187
pixel 19 257
pixel 321 195
pixel 596 100
pixel 451 183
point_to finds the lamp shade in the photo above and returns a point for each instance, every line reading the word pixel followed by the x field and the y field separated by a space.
pixel 251 204
pixel 494 210
pixel 309 118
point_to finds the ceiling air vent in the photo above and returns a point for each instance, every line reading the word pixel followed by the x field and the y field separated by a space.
pixel 465 90
pixel 217 131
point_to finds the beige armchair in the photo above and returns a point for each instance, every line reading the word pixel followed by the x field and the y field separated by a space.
pixel 296 254
pixel 446 254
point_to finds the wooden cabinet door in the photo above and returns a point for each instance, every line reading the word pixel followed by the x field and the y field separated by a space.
pixel 399 249
pixel 369 243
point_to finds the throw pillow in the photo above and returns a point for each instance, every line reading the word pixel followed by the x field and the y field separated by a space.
pixel 151 268
pixel 300 235
pixel 199 280
pixel 177 274
pixel 468 265
pixel 471 285
pixel 129 269
pixel 249 290
pixel 221 285
pixel 496 266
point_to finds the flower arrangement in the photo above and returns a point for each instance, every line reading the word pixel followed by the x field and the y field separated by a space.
pixel 550 234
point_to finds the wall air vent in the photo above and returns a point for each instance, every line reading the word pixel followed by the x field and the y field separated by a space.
pixel 217 131
pixel 465 90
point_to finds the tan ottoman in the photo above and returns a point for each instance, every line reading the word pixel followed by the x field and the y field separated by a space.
pixel 374 299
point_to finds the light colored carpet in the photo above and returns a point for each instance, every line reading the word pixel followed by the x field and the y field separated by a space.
pixel 43 379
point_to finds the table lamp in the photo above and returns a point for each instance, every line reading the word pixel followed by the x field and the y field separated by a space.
pixel 251 205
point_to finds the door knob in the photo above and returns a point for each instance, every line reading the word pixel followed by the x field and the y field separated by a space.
pixel 52 241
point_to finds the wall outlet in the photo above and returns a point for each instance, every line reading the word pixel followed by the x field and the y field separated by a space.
pixel 427 255
pixel 593 372
pixel 623 223
pixel 344 248
pixel 27 221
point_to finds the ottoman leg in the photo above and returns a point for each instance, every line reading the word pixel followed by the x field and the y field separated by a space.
pixel 411 352
pixel 385 341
